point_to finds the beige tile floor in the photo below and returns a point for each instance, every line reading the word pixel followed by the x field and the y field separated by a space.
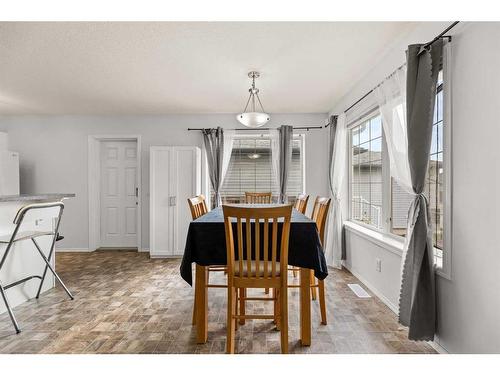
pixel 128 303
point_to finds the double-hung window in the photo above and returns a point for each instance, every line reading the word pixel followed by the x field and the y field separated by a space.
pixel 376 199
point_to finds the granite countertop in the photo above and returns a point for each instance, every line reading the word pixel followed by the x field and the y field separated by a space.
pixel 43 197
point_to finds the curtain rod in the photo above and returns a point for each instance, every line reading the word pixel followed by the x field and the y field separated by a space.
pixel 247 129
pixel 441 35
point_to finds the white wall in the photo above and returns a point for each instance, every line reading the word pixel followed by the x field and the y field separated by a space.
pixel 469 303
pixel 53 155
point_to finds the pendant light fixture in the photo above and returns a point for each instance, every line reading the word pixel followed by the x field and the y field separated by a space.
pixel 253 119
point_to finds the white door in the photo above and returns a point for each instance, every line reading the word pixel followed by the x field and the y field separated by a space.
pixel 119 194
pixel 185 184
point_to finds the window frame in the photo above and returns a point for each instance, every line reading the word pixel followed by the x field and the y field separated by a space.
pixel 445 269
pixel 367 117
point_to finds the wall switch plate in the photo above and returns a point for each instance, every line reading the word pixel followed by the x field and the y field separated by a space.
pixel 378 265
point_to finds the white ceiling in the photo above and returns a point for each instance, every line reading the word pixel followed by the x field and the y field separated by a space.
pixel 187 67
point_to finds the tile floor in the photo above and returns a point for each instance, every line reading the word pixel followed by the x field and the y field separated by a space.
pixel 128 303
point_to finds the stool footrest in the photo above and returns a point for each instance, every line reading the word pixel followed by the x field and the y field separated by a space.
pixel 22 281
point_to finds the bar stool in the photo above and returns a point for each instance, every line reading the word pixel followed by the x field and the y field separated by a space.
pixel 17 236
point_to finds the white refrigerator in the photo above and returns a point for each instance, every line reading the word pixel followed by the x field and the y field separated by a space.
pixel 9 173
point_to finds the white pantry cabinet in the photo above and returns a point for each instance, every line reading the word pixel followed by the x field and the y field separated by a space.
pixel 175 175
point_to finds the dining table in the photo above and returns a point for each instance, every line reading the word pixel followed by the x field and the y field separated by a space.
pixel 206 246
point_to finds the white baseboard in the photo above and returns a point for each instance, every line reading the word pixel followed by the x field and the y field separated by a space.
pixel 144 250
pixel 74 250
pixel 438 348
pixel 164 256
pixel 374 290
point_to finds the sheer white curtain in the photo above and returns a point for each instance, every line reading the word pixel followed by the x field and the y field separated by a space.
pixel 333 248
pixel 391 98
pixel 227 148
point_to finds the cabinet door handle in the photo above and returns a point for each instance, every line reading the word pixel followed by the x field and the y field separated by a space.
pixel 137 192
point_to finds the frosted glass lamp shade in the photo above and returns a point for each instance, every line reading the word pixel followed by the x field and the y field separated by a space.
pixel 253 119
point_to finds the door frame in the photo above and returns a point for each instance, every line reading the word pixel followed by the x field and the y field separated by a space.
pixel 94 186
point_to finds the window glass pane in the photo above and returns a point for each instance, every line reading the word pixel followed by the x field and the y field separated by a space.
pixel 364 133
pixel 355 138
pixel 366 180
pixel 376 127
pixel 376 149
pixel 376 171
pixel 439 106
pixel 434 140
pixel 401 201
pixel 439 135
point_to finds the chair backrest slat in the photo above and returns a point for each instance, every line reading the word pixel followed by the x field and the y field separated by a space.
pixel 301 203
pixel 249 243
pixel 197 206
pixel 275 245
pixel 257 247
pixel 266 248
pixel 278 218
pixel 240 245
pixel 258 198
pixel 320 214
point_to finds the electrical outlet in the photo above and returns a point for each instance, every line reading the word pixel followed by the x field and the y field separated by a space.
pixel 378 265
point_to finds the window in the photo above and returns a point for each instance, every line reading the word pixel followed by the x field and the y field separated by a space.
pixel 376 199
pixel 250 169
pixel 434 185
pixel 366 176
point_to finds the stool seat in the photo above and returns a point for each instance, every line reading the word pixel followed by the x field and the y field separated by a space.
pixel 25 235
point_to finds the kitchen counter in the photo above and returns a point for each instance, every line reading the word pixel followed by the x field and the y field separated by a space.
pixel 23 259
pixel 45 197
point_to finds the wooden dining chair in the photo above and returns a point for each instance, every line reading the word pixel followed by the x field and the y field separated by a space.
pixel 266 269
pixel 320 215
pixel 264 198
pixel 301 206
pixel 198 207
pixel 301 203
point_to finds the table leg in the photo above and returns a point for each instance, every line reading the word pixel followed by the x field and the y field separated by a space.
pixel 201 296
pixel 305 306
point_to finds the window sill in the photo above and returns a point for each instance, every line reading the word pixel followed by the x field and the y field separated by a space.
pixel 383 240
pixel 386 241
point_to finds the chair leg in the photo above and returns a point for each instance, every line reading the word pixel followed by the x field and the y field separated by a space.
pixel 49 258
pixel 294 272
pixel 277 311
pixel 284 319
pixel 322 301
pixel 313 289
pixel 9 310
pixel 231 306
pixel 243 294
pixel 193 322
pixel 266 291
pixel 52 269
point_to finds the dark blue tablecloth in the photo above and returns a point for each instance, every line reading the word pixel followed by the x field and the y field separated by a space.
pixel 206 244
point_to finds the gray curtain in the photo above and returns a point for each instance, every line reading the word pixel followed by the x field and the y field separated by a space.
pixel 417 304
pixel 331 145
pixel 214 147
pixel 285 159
